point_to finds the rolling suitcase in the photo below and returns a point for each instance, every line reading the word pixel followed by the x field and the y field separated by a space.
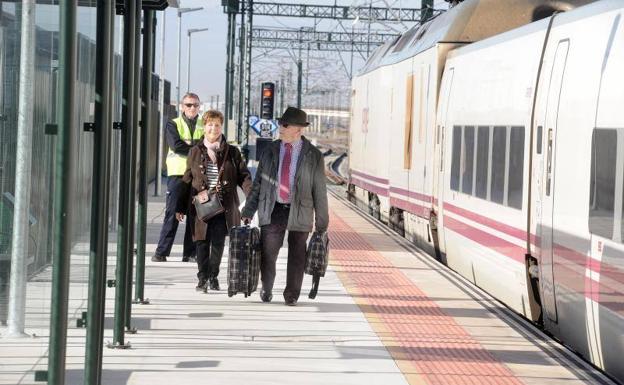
pixel 244 260
pixel 317 258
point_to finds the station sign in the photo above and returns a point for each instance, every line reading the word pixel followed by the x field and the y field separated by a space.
pixel 265 128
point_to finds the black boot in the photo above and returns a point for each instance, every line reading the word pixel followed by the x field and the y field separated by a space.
pixel 214 284
pixel 201 285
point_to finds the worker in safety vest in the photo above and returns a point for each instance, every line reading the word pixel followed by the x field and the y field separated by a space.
pixel 182 133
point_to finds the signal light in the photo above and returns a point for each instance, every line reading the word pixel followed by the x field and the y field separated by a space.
pixel 266 106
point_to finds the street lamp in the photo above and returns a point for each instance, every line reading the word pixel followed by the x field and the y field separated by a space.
pixel 180 12
pixel 188 69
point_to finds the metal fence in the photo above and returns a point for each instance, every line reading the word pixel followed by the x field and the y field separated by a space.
pixel 43 146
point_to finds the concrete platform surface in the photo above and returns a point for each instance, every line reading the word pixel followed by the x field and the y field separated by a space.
pixel 386 314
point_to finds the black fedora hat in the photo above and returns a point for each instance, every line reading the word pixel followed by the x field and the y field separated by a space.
pixel 295 117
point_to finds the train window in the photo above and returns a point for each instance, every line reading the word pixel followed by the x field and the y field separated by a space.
pixel 483 159
pixel 456 156
pixel 602 182
pixel 539 139
pixel 468 160
pixel 499 151
pixel 516 167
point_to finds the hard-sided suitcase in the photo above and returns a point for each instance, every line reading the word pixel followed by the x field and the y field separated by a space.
pixel 317 259
pixel 244 260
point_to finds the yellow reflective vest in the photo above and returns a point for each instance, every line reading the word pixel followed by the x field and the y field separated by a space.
pixel 176 163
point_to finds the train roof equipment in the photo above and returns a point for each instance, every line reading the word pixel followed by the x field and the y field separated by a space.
pixel 468 22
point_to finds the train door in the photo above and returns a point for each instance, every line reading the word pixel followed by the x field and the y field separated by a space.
pixel 545 229
pixel 438 179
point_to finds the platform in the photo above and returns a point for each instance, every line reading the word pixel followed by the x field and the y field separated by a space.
pixel 386 314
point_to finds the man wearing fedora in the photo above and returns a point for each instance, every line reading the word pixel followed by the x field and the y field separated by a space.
pixel 289 193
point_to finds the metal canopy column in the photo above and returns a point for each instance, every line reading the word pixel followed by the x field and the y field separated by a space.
pixel 146 126
pixel 132 195
pixel 98 254
pixel 63 192
pixel 124 229
pixel 19 245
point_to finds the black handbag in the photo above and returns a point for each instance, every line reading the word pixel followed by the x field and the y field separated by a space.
pixel 211 207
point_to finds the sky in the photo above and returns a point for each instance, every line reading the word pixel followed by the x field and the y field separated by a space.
pixel 326 74
pixel 208 56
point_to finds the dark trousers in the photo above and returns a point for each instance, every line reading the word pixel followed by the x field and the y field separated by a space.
pixel 170 223
pixel 272 240
pixel 210 251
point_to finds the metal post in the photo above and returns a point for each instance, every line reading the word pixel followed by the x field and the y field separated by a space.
pixel 98 253
pixel 19 249
pixel 248 79
pixel 281 92
pixel 188 64
pixel 161 107
pixel 62 194
pixel 123 229
pixel 146 113
pixel 351 61
pixel 245 149
pixel 178 62
pixel 241 74
pixel 132 193
pixel 370 16
pixel 228 73
pixel 299 70
pixel 232 51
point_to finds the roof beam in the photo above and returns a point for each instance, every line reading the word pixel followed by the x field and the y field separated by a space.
pixel 312 36
pixel 339 12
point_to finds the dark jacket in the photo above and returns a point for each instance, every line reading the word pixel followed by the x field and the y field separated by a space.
pixel 309 201
pixel 174 141
pixel 235 174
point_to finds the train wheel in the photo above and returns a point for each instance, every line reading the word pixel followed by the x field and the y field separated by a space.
pixel 351 193
pixel 396 221
pixel 374 206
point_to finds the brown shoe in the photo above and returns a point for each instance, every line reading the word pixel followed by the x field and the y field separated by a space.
pixel 159 258
pixel 290 302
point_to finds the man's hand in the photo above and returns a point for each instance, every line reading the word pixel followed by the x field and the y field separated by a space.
pixel 246 220
pixel 179 217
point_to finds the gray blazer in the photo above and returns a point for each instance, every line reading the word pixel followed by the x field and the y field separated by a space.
pixel 309 199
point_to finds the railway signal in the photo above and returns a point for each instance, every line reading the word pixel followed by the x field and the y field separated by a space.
pixel 267 100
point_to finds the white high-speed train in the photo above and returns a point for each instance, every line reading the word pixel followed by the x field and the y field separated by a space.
pixel 493 137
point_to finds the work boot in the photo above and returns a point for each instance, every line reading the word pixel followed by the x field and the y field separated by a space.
pixel 159 258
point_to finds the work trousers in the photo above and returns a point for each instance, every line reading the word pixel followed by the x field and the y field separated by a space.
pixel 170 223
pixel 210 250
pixel 272 240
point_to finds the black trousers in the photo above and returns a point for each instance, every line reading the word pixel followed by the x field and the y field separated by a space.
pixel 272 240
pixel 170 223
pixel 210 251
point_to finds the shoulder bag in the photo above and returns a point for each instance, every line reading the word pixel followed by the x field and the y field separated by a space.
pixel 211 207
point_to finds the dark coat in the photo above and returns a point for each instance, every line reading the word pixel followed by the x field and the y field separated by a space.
pixel 309 201
pixel 235 174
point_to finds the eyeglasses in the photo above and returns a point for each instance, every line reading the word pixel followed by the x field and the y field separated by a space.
pixel 189 105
